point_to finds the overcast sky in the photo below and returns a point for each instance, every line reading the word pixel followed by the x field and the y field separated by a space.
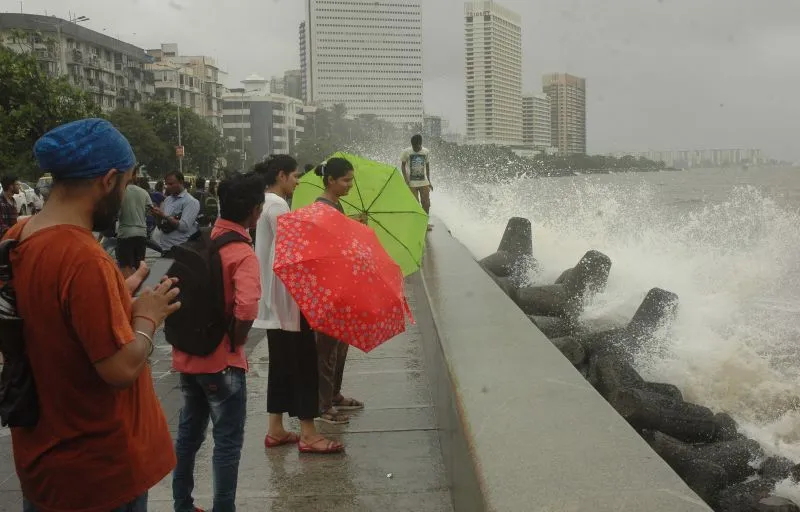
pixel 662 74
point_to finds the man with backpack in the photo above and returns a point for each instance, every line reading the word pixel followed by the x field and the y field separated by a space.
pixel 212 361
pixel 93 436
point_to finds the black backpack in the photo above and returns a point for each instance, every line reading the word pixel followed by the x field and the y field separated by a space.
pixel 19 401
pixel 202 322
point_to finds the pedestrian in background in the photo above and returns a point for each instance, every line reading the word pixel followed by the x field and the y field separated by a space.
pixel 176 218
pixel 416 164
pixel 8 203
pixel 132 228
pixel 101 440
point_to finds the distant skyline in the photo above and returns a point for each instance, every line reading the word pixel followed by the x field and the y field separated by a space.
pixel 661 74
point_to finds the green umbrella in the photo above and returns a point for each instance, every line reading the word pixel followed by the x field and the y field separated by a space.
pixel 392 211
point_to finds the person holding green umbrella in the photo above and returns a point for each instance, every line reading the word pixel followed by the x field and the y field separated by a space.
pixel 337 176
pixel 379 194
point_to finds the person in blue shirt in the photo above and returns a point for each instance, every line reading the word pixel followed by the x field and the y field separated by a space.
pixel 176 218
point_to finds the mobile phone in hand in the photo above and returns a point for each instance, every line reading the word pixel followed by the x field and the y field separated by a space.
pixel 158 270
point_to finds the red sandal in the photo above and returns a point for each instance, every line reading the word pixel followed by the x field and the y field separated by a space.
pixel 274 442
pixel 331 447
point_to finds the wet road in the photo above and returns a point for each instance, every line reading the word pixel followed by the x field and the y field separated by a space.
pixel 393 460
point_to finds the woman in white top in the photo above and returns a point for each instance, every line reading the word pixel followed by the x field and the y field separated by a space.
pixel 292 385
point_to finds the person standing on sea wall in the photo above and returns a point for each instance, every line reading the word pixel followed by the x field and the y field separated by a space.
pixel 416 165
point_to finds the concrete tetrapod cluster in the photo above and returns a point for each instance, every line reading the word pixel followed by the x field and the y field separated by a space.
pixel 727 470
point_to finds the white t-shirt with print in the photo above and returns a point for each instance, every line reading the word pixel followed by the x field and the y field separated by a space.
pixel 416 166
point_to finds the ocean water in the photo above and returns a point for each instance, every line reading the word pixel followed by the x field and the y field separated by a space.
pixel 726 241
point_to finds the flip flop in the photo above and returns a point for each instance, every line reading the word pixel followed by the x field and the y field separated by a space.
pixel 349 404
pixel 331 447
pixel 334 418
pixel 272 442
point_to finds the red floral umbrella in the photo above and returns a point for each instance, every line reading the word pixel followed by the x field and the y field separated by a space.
pixel 345 283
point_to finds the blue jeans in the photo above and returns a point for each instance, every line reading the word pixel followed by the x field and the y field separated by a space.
pixel 137 505
pixel 222 397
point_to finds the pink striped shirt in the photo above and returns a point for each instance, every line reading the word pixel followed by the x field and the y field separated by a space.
pixel 242 280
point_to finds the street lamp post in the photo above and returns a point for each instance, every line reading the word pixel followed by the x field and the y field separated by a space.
pixel 180 141
pixel 179 104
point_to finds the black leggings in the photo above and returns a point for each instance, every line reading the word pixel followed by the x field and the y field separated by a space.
pixel 292 385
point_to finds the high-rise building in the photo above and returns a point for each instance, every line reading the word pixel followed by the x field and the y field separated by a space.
pixel 293 83
pixel 195 82
pixel 111 71
pixel 289 84
pixel 366 56
pixel 568 107
pixel 536 126
pixel 260 121
pixel 303 63
pixel 494 74
pixel 432 126
pixel 277 85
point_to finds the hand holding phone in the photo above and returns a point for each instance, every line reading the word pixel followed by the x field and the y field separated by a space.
pixel 158 270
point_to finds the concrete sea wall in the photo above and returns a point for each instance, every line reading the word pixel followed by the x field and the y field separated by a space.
pixel 521 429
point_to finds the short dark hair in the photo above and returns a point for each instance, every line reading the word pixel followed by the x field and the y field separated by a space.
pixel 273 166
pixel 178 175
pixel 416 139
pixel 8 181
pixel 334 168
pixel 239 194
pixel 201 183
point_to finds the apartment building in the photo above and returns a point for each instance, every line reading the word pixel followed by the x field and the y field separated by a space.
pixel 111 71
pixel 536 125
pixel 258 123
pixel 195 82
pixel 493 37
pixel 568 112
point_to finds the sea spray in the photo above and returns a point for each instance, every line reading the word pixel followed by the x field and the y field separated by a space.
pixel 732 259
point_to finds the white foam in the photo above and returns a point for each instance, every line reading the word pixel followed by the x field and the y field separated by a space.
pixel 733 263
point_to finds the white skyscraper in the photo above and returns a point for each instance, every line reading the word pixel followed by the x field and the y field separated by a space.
pixel 367 56
pixel 536 125
pixel 494 74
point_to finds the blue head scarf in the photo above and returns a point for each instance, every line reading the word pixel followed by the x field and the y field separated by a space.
pixel 83 149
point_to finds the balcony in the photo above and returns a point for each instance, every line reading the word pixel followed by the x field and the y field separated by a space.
pixel 75 56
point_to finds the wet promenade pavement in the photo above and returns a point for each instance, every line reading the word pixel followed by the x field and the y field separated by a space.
pixel 393 460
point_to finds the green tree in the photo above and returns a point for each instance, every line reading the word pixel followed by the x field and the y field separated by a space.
pixel 149 148
pixel 31 104
pixel 204 145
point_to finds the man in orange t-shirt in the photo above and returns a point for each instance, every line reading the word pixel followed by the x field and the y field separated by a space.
pixel 214 387
pixel 101 441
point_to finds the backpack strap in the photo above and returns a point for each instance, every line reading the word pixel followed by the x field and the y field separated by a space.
pixel 216 276
pixel 227 238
